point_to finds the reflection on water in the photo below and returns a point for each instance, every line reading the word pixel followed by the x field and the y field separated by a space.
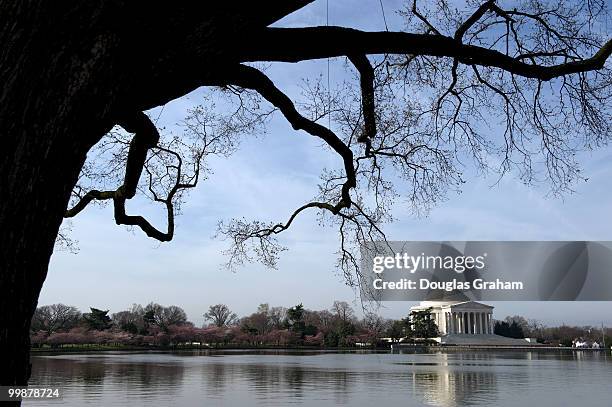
pixel 444 379
pixel 448 386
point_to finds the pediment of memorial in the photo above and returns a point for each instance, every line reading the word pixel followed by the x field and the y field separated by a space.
pixel 469 306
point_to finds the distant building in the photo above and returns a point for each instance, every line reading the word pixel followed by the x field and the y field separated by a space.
pixel 460 317
pixel 462 322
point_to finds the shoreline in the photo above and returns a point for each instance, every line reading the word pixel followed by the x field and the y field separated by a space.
pixel 393 348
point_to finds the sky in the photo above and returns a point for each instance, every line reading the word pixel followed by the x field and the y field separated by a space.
pixel 271 176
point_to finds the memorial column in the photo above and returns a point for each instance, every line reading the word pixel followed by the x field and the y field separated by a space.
pixel 471 319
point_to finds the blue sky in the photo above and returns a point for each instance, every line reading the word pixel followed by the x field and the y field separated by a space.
pixel 271 176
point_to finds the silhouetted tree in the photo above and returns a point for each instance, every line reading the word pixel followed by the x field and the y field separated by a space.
pixel 72 70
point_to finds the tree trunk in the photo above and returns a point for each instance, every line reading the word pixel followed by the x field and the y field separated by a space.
pixel 49 118
pixel 31 212
pixel 35 188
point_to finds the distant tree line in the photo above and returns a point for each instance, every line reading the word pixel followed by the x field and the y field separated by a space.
pixel 61 325
pixel 155 325
pixel 519 327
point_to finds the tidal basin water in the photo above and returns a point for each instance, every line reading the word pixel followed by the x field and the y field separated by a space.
pixel 281 378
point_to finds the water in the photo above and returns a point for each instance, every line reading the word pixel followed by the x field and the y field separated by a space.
pixel 277 378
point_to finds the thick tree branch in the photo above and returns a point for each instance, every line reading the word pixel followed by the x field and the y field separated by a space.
pixel 299 44
pixel 251 78
pixel 86 199
pixel 473 19
pixel 145 137
pixel 366 73
pixel 274 10
pixel 121 218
